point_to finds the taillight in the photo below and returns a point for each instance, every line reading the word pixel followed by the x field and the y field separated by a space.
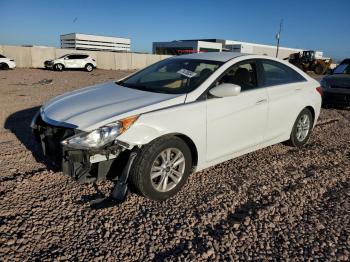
pixel 319 90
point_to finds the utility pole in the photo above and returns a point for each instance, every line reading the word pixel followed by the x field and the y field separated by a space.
pixel 278 35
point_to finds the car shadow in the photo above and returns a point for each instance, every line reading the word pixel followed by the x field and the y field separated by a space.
pixel 335 106
pixel 66 69
pixel 19 124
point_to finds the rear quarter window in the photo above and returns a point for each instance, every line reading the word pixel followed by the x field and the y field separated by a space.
pixel 275 73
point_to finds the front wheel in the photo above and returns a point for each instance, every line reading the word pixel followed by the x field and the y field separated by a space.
pixel 4 66
pixel 319 69
pixel 161 168
pixel 58 67
pixel 302 129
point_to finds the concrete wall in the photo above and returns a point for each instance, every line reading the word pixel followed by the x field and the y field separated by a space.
pixel 34 57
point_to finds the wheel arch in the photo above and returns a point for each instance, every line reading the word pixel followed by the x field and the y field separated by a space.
pixel 189 142
pixel 59 63
pixel 193 148
pixel 313 113
pixel 4 64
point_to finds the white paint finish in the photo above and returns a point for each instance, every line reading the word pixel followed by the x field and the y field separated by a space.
pixel 94 106
pixel 225 90
pixel 213 56
pixel 8 61
pixel 235 123
pixel 285 103
pixel 74 63
pixel 234 130
pixel 221 128
pixel 187 119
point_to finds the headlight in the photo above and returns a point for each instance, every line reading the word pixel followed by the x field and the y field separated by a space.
pixel 101 136
pixel 325 84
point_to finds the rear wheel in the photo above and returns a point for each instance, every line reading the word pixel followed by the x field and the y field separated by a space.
pixel 89 67
pixel 58 67
pixel 161 168
pixel 302 129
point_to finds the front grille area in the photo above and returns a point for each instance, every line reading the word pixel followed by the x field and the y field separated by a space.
pixel 48 63
pixel 50 137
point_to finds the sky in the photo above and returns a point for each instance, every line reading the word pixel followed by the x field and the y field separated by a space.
pixel 317 25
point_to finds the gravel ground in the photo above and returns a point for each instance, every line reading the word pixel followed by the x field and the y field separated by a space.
pixel 276 203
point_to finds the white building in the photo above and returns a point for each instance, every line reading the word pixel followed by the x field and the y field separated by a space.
pixel 185 47
pixel 207 45
pixel 95 42
pixel 259 49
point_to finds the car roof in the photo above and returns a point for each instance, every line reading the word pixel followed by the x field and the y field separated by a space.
pixel 213 56
pixel 76 54
pixel 345 61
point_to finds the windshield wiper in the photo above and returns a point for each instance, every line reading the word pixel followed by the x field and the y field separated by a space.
pixel 135 86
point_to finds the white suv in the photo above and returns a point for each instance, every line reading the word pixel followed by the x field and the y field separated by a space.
pixel 71 61
pixel 6 63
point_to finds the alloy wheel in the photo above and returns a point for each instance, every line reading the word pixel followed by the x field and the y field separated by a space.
pixel 167 169
pixel 303 127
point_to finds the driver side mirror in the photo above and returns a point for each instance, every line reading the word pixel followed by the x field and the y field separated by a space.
pixel 225 90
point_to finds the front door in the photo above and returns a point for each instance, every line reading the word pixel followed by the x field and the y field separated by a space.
pixel 71 61
pixel 238 122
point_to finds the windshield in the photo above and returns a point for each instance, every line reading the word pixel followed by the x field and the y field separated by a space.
pixel 342 69
pixel 172 76
pixel 1 56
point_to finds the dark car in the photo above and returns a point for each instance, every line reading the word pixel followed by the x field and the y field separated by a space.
pixel 336 87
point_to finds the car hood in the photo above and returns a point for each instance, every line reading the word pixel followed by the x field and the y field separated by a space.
pixel 92 107
pixel 338 80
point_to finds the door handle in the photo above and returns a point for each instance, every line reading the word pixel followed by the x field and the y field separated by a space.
pixel 262 101
pixel 298 89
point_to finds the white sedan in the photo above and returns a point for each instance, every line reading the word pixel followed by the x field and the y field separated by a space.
pixel 176 117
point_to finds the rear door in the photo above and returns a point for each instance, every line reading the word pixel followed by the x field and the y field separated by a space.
pixel 285 88
pixel 81 61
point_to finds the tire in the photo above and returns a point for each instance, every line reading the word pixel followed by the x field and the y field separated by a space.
pixel 58 67
pixel 89 67
pixel 301 129
pixel 4 66
pixel 319 70
pixel 149 158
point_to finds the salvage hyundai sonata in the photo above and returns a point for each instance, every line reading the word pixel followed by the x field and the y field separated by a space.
pixel 178 116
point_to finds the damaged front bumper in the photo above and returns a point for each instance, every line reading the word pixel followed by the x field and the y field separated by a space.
pixel 82 165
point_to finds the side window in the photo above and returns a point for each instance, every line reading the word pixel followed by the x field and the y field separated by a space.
pixel 75 57
pixel 242 74
pixel 81 56
pixel 278 74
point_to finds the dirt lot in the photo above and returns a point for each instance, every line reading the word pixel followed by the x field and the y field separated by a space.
pixel 277 203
